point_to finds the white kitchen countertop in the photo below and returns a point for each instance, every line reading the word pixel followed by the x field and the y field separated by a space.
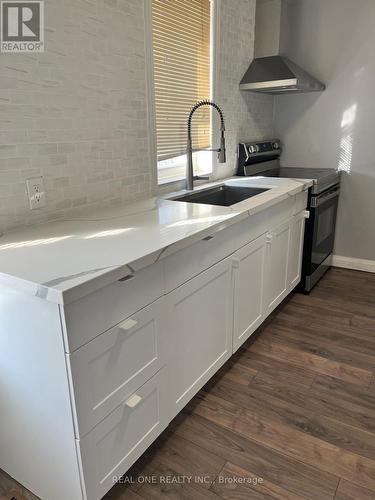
pixel 64 260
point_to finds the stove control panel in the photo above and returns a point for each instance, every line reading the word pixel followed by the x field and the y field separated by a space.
pixel 256 148
pixel 250 153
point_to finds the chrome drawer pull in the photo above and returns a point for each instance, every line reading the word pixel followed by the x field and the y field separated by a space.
pixel 269 238
pixel 127 278
pixel 235 262
pixel 133 401
pixel 128 324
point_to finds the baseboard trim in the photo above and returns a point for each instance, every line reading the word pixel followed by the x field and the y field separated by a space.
pixel 353 263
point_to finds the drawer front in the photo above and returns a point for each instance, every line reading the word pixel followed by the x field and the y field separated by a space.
pixel 107 370
pixel 254 226
pixel 189 262
pixel 112 447
pixel 90 316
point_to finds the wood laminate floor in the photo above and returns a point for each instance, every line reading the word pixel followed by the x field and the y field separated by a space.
pixel 290 416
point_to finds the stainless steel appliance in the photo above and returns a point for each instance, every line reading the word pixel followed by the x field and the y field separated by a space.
pixel 263 159
pixel 278 75
pixel 275 73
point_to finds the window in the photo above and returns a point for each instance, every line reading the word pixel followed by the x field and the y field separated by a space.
pixel 181 32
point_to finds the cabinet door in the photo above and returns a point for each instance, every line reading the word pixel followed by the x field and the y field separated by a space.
pixel 277 256
pixel 297 232
pixel 249 276
pixel 200 335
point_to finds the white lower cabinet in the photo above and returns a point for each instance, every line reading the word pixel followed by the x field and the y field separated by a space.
pixel 200 337
pixel 109 449
pixel 116 366
pixel 186 336
pixel 249 278
pixel 277 258
pixel 297 231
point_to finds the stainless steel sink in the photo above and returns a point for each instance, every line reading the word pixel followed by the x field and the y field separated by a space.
pixel 223 195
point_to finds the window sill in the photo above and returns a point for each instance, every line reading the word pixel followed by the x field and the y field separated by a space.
pixel 170 180
pixel 174 180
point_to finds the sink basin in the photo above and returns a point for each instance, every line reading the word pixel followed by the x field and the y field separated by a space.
pixel 223 195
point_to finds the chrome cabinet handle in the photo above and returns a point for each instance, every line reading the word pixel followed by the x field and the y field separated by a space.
pixel 127 278
pixel 269 238
pixel 133 401
pixel 128 324
pixel 235 262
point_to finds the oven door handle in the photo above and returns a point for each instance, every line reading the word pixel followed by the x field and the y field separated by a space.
pixel 316 201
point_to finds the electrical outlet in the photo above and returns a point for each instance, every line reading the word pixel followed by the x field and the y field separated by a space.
pixel 36 192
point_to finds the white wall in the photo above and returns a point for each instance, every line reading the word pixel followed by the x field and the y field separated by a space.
pixel 77 114
pixel 335 41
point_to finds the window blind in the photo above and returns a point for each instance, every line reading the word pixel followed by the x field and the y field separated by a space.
pixel 181 52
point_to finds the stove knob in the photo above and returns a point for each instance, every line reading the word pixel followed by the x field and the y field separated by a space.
pixel 251 149
pixel 276 145
pixel 256 148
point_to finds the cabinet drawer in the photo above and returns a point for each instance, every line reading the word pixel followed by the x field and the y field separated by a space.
pixel 107 370
pixel 256 225
pixel 90 316
pixel 189 262
pixel 119 440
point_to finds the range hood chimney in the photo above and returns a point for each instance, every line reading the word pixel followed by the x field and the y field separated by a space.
pixel 270 72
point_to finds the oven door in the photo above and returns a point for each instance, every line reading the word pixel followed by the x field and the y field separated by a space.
pixel 320 229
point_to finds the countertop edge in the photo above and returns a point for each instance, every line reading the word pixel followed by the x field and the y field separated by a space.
pixel 114 273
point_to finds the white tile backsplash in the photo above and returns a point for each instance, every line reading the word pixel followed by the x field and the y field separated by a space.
pixel 77 113
pixel 248 116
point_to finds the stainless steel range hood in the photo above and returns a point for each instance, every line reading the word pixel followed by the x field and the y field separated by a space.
pixel 278 75
pixel 271 71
